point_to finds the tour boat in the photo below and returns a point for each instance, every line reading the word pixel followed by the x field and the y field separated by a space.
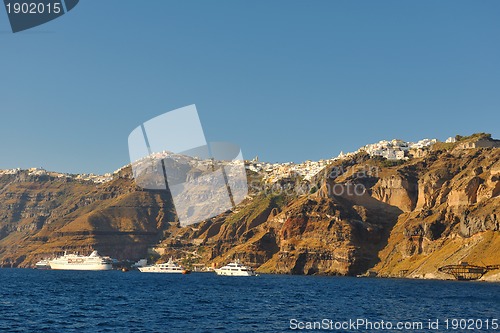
pixel 235 269
pixel 93 262
pixel 168 267
pixel 42 264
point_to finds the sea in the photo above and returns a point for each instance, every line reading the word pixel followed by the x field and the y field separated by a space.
pixel 115 301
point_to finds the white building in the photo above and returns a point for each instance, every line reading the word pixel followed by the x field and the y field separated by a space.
pixel 451 140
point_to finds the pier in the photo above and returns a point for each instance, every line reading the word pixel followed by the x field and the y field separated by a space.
pixel 466 272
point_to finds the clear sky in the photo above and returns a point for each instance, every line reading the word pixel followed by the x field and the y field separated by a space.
pixel 286 80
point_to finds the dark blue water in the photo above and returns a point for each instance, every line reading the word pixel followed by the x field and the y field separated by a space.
pixel 112 301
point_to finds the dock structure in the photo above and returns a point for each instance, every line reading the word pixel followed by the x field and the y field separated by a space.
pixel 466 272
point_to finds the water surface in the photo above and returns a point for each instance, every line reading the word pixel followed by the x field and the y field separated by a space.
pixel 113 301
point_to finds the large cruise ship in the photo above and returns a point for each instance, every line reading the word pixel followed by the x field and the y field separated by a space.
pixel 235 269
pixel 93 262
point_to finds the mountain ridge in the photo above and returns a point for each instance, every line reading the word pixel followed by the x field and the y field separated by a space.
pixel 412 216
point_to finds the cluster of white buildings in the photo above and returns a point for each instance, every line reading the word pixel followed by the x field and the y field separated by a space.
pixel 10 171
pixel 274 172
pixel 425 143
pixel 395 149
pixel 98 179
pixel 391 150
pixel 451 140
pixel 37 172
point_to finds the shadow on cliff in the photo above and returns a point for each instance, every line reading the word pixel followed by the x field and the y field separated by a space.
pixel 372 221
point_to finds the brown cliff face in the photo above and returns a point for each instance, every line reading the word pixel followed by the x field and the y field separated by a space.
pixel 411 218
pixel 327 236
pixel 396 190
pixel 42 216
pixel 456 217
pixel 408 219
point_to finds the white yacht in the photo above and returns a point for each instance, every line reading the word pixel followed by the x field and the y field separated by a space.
pixel 168 267
pixel 93 262
pixel 235 269
pixel 42 264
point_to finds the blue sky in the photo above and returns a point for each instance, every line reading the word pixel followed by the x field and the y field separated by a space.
pixel 286 80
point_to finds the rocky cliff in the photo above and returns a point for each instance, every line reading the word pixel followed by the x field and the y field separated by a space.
pixel 403 220
pixel 360 214
pixel 42 215
pixel 456 218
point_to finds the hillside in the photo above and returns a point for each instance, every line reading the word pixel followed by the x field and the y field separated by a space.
pixel 43 215
pixel 359 214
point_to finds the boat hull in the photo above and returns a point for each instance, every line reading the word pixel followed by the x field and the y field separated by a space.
pixel 81 267
pixel 158 270
pixel 169 268
pixel 222 272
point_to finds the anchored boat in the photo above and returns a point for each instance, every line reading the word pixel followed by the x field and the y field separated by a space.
pixel 235 269
pixel 168 267
pixel 93 262
pixel 42 264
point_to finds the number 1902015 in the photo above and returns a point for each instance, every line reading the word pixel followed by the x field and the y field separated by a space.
pixel 472 324
pixel 33 8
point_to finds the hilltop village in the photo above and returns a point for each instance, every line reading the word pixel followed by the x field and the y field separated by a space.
pixel 392 150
